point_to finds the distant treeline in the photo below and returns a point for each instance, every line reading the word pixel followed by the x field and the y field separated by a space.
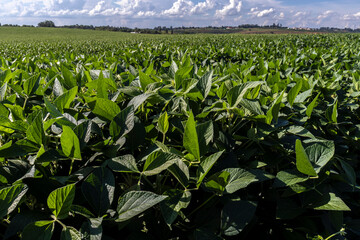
pixel 185 30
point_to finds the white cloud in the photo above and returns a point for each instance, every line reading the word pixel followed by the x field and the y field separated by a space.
pixel 152 13
pixel 179 8
pixel 203 7
pixel 233 8
pixel 256 13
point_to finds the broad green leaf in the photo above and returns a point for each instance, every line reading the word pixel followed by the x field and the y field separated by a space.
pixel 157 162
pixel 332 113
pixel 64 101
pixel 303 163
pixel 218 181
pixel 236 215
pixel 92 229
pixel 69 80
pixel 56 114
pixel 273 112
pixel 181 75
pixel 31 84
pixel 319 152
pixel 3 90
pixel 205 133
pixel 163 123
pixel 145 80
pixel 206 165
pixel 252 105
pixel 35 132
pixel 349 171
pixel 241 178
pixel 190 141
pixel 70 233
pixel 289 177
pixel 70 143
pixel 106 109
pixel 136 202
pixel 181 172
pixel 126 163
pixel 10 197
pixel 236 94
pixel 38 230
pixel 123 123
pixel 60 201
pixel 294 91
pixel 204 84
pixel 311 106
pixel 334 203
pixel 138 100
pixel 98 189
pixel 170 207
pixel 300 131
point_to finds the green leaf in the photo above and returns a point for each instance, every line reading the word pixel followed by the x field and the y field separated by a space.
pixel 311 106
pixel 106 109
pixel 190 141
pixel 319 152
pixel 252 105
pixel 70 143
pixel 241 178
pixel 64 101
pixel 3 91
pixel 60 201
pixel 218 182
pixel 205 133
pixel 98 189
pixel 10 197
pixel 294 91
pixel 69 80
pixel 31 84
pixel 126 163
pixel 163 123
pixel 303 163
pixel 140 99
pixel 181 172
pixel 204 84
pixel 332 113
pixel 181 75
pixel 70 233
pixel 38 230
pixel 136 202
pixel 236 94
pixel 273 112
pixel 289 177
pixel 333 203
pixel 236 215
pixel 206 165
pixel 145 80
pixel 171 206
pixel 157 162
pixel 123 123
pixel 349 171
pixel 35 132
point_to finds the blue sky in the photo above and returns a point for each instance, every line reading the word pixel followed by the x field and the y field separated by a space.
pixel 151 13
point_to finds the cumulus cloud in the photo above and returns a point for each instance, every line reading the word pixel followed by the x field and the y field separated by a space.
pixel 179 12
pixel 179 8
pixel 233 8
pixel 203 7
pixel 263 13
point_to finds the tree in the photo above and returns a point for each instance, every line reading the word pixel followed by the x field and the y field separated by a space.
pixel 46 23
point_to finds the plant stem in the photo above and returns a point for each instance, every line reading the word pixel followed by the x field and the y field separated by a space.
pixel 71 166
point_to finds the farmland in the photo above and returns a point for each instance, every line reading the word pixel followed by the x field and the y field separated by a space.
pixel 178 137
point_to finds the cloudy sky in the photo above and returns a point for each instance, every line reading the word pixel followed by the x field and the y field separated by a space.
pixel 151 13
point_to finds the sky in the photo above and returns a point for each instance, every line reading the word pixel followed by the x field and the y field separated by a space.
pixel 176 13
